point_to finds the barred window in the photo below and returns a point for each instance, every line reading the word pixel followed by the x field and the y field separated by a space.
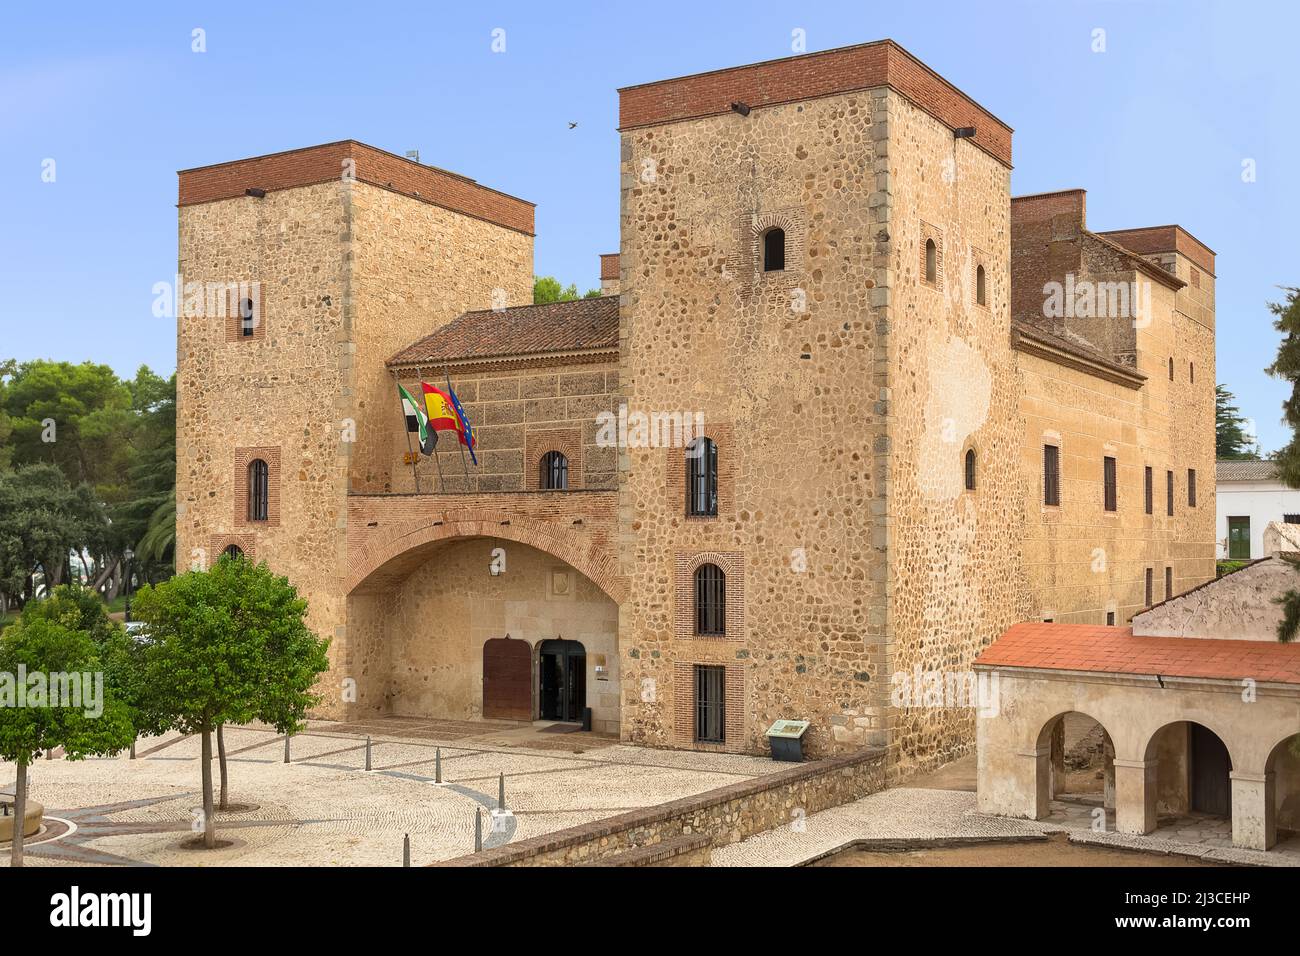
pixel 1150 595
pixel 554 471
pixel 1051 475
pixel 1110 618
pixel 234 552
pixel 1169 493
pixel 259 491
pixel 774 250
pixel 702 478
pixel 1169 583
pixel 710 600
pixel 970 469
pixel 1148 481
pixel 247 317
pixel 710 703
pixel 1112 492
pixel 1191 487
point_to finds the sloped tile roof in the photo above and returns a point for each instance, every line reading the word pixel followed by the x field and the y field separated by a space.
pixel 1245 470
pixel 579 325
pixel 1115 650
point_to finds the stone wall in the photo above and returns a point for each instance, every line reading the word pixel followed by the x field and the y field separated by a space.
pixel 519 414
pixel 783 362
pixel 1239 606
pixel 726 815
pixel 948 386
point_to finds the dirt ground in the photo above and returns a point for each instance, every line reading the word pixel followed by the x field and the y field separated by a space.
pixel 1056 850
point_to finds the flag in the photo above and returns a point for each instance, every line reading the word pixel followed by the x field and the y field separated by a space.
pixel 417 421
pixel 442 413
pixel 466 430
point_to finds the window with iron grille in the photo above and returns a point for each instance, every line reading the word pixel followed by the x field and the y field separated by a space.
pixel 970 469
pixel 1191 487
pixel 1148 480
pixel 1169 492
pixel 710 600
pixel 247 318
pixel 259 491
pixel 1149 594
pixel 702 478
pixel 555 471
pixel 234 552
pixel 1169 583
pixel 1111 491
pixel 1051 475
pixel 710 704
pixel 1110 618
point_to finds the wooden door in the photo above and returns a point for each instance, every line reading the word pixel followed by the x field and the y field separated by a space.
pixel 1239 539
pixel 1211 790
pixel 507 679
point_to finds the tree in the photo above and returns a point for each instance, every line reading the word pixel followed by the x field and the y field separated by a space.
pixel 1287 366
pixel 42 647
pixel 547 289
pixel 229 645
pixel 1231 442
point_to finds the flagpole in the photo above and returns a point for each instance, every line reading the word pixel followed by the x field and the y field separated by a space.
pixel 447 374
pixel 414 457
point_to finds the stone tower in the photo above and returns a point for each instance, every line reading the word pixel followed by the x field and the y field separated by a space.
pixel 303 272
pixel 843 389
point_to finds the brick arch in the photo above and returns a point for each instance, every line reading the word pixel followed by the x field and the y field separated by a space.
pixel 391 555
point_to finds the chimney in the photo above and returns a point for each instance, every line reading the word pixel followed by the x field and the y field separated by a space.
pixel 609 274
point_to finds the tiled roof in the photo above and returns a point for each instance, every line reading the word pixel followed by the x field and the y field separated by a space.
pixel 579 325
pixel 1114 650
pixel 1066 341
pixel 1245 470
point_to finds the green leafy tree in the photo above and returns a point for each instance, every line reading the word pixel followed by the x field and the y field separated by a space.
pixel 547 289
pixel 1287 366
pixel 228 645
pixel 1231 442
pixel 45 646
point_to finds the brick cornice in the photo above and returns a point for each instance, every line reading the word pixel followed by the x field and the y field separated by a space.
pixel 312 165
pixel 813 75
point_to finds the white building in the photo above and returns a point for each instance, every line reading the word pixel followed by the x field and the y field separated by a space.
pixel 1249 495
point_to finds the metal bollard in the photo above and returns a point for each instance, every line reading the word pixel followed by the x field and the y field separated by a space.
pixel 501 792
pixel 478 829
pixel 367 752
pixel 437 765
pixel 406 849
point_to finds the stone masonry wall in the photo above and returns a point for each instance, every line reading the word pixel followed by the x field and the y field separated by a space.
pixel 784 361
pixel 948 380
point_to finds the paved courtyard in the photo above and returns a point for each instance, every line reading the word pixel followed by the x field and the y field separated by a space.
pixel 324 809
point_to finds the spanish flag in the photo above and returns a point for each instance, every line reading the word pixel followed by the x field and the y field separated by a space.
pixel 442 413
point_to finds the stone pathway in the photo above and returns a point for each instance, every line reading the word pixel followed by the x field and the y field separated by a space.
pixel 908 813
pixel 325 809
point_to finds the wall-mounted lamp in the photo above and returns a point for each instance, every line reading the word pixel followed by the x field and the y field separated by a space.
pixel 740 108
pixel 255 192
pixel 963 132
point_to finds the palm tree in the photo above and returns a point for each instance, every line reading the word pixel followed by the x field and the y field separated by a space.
pixel 160 537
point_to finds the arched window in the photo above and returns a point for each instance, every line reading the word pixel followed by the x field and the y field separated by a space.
pixel 247 317
pixel 554 471
pixel 981 293
pixel 702 478
pixel 970 469
pixel 774 250
pixel 931 261
pixel 1191 368
pixel 710 600
pixel 1171 368
pixel 259 491
pixel 234 552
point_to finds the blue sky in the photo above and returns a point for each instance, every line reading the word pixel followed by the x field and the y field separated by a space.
pixel 1155 128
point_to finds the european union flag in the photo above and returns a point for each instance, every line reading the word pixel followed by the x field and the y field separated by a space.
pixel 467 431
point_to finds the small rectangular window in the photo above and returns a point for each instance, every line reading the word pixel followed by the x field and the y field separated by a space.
pixel 1112 493
pixel 710 704
pixel 1169 583
pixel 1291 519
pixel 1051 475
pixel 1147 490
pixel 1110 618
pixel 1169 493
pixel 1150 595
pixel 1191 487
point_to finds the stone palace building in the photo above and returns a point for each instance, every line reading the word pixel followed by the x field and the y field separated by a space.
pixel 845 411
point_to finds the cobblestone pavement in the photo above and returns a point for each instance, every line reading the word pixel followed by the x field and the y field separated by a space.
pixel 907 813
pixel 325 809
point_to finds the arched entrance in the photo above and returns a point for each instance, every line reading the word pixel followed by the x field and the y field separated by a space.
pixel 561 680
pixel 1282 792
pixel 507 679
pixel 1078 760
pixel 1192 770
